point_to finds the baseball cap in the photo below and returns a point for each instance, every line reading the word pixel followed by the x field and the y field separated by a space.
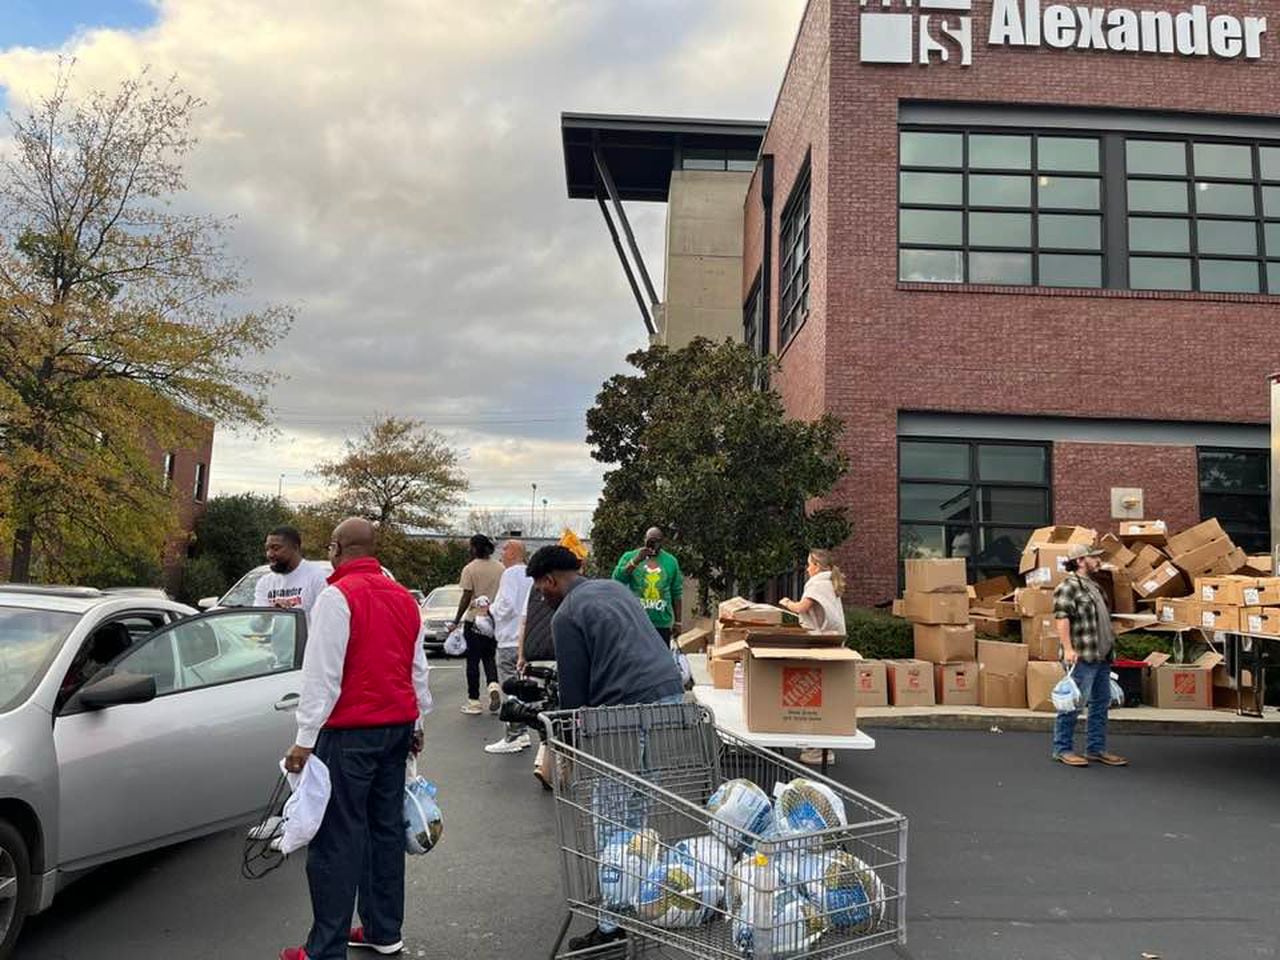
pixel 1079 551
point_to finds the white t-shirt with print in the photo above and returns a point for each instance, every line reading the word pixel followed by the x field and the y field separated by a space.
pixel 296 589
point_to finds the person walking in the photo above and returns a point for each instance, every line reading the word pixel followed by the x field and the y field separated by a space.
pixel 508 612
pixel 364 693
pixel 1088 648
pixel 654 576
pixel 480 578
pixel 821 608
pixel 293 582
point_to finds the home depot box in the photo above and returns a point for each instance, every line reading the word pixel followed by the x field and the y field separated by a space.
pixel 1033 601
pixel 910 683
pixel 1181 686
pixel 1041 679
pixel 936 576
pixel 1180 611
pixel 1164 581
pixel 1196 536
pixel 1115 552
pixel 1217 616
pixel 1144 531
pixel 1002 674
pixel 801 690
pixel 936 607
pixel 1264 621
pixel 871 687
pixel 1040 636
pixel 939 643
pixel 956 684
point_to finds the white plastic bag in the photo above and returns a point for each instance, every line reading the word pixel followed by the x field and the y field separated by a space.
pixel 455 645
pixel 423 821
pixel 484 619
pixel 304 810
pixel 1066 695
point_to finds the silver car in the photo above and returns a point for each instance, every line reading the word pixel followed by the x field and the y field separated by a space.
pixel 438 611
pixel 127 723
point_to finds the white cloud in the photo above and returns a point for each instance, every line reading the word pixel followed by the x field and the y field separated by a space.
pixel 395 170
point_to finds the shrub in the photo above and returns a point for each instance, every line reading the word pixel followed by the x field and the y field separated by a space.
pixel 878 636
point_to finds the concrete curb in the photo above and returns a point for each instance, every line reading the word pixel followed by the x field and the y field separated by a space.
pixel 1242 728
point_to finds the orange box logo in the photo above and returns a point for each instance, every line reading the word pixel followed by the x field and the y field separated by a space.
pixel 1184 683
pixel 913 680
pixel 962 681
pixel 866 681
pixel 801 687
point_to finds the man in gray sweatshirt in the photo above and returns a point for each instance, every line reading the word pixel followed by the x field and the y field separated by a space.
pixel 607 653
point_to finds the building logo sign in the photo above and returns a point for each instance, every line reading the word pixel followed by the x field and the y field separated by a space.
pixel 941 31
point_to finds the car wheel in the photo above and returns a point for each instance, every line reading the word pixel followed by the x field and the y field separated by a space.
pixel 15 886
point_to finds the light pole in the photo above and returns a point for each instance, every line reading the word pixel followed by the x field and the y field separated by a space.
pixel 545 530
pixel 533 506
pixel 280 488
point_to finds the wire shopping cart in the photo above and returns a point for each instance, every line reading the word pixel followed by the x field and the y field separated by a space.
pixel 641 850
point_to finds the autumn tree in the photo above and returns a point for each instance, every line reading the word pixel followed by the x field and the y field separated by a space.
pixel 397 472
pixel 698 448
pixel 116 334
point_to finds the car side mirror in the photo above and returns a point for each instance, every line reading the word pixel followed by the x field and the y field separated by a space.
pixel 115 689
pixel 207 603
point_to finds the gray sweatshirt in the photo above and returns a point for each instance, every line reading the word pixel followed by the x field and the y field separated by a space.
pixel 607 650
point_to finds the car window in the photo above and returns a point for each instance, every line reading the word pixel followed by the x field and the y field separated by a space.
pixel 206 651
pixel 29 640
pixel 106 643
pixel 241 594
pixel 444 597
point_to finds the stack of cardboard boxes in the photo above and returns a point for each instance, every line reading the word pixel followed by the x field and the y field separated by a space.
pixel 944 667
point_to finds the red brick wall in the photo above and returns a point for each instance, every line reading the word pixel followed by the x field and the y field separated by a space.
pixel 1084 473
pixel 874 346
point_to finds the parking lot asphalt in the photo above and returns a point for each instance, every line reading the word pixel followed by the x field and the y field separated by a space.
pixel 1011 856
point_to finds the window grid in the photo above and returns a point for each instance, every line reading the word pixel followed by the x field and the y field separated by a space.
pixel 1034 209
pixel 1253 537
pixel 794 293
pixel 1266 257
pixel 974 525
pixel 753 320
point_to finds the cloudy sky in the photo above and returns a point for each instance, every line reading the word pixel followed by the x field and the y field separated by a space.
pixel 395 173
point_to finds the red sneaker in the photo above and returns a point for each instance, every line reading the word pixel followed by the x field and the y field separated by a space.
pixel 356 939
pixel 293 953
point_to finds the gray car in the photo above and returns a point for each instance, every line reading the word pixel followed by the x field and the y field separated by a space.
pixel 438 611
pixel 128 723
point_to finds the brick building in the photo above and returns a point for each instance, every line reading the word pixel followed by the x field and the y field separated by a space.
pixel 1030 255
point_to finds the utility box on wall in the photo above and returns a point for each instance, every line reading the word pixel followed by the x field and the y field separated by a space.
pixel 1126 503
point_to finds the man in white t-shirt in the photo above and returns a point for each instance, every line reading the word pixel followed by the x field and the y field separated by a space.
pixel 293 583
pixel 507 610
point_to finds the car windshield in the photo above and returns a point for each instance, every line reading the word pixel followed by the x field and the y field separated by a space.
pixel 29 640
pixel 241 595
pixel 444 597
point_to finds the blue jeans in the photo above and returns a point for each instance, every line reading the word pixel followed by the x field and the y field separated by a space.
pixel 1094 681
pixel 618 808
pixel 359 847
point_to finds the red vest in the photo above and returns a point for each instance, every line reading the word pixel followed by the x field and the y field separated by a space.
pixel 377 675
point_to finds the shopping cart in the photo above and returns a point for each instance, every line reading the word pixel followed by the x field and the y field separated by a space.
pixel 631 783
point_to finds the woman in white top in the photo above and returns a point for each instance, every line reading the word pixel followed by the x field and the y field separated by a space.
pixel 821 608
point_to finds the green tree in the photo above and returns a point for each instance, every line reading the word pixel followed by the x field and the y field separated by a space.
pixel 115 334
pixel 232 531
pixel 699 450
pixel 397 472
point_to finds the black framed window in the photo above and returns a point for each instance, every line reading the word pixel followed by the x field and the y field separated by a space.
pixel 753 331
pixel 1000 207
pixel 1203 215
pixel 702 158
pixel 793 304
pixel 200 488
pixel 976 499
pixel 1235 487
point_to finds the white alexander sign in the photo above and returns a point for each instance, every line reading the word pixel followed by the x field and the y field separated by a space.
pixel 943 30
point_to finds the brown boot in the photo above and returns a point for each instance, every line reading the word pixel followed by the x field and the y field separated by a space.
pixel 1110 759
pixel 1071 759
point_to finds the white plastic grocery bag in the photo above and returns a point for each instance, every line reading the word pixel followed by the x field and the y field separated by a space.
pixel 304 810
pixel 423 821
pixel 1066 695
pixel 455 645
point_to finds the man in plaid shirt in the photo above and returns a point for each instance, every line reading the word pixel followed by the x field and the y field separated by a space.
pixel 1088 645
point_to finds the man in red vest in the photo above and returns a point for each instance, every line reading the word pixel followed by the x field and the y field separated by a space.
pixel 364 691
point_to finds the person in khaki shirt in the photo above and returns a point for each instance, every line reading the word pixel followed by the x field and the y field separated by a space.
pixel 479 580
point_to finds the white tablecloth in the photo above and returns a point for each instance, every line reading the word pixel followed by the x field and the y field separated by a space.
pixel 727 706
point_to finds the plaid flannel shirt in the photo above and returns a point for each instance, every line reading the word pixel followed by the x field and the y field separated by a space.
pixel 1077 600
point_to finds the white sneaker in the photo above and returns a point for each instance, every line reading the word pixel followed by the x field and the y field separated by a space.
pixel 508 746
pixel 495 698
pixel 472 708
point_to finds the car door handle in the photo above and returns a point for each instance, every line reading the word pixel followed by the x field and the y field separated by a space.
pixel 288 702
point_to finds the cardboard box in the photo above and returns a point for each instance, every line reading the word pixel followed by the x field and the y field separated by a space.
pixel 1260 565
pixel 1264 621
pixel 1196 536
pixel 1203 559
pixel 1117 587
pixel 993 626
pixel 1062 535
pixel 1005 610
pixel 1128 622
pixel 1182 686
pixel 721 673
pixel 1232 563
pixel 1115 552
pixel 738 610
pixel 871 685
pixel 801 690
pixel 1040 636
pixel 1041 679
pixel 910 683
pixel 1045 565
pixel 936 576
pixel 1144 531
pixel 1229 590
pixel 988 592
pixel 941 643
pixel 936 608
pixel 1216 616
pixel 956 684
pixel 1179 611
pixel 899 608
pixel 1149 557
pixel 1002 674
pixel 1164 581
pixel 698 637
pixel 1033 601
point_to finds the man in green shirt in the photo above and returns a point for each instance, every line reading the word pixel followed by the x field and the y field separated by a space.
pixel 654 576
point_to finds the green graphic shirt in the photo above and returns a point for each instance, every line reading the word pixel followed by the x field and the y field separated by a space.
pixel 657 582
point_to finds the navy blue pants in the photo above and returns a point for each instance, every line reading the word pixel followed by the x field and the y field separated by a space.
pixel 359 848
